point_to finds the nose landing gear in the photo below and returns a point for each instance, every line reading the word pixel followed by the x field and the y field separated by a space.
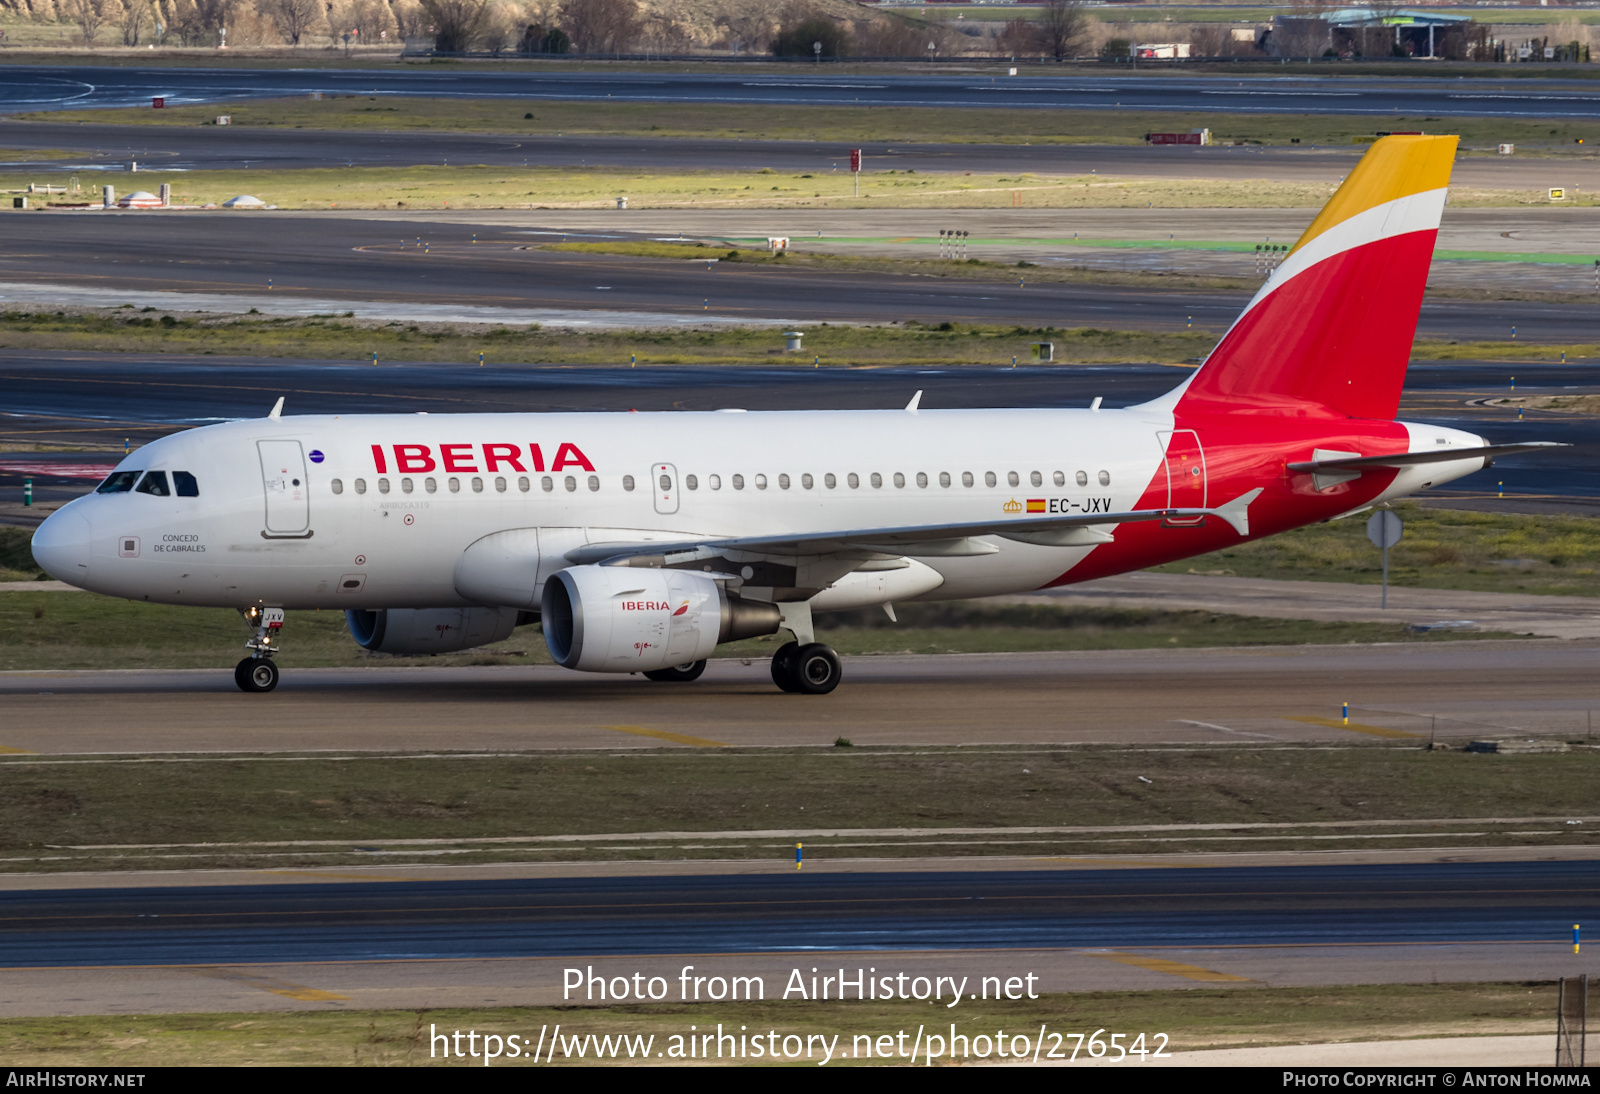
pixel 258 673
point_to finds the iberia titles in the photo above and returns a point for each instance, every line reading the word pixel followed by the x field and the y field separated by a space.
pixel 484 458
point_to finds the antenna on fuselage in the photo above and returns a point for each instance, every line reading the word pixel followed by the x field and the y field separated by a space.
pixel 277 409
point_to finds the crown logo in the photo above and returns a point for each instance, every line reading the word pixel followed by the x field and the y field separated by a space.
pixel 1012 506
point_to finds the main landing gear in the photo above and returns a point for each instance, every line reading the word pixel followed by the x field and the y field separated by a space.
pixel 678 674
pixel 809 669
pixel 258 673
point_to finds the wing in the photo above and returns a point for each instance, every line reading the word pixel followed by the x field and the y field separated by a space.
pixel 927 540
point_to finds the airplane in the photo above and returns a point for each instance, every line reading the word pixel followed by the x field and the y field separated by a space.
pixel 641 542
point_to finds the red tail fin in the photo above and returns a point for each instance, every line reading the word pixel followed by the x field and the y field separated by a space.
pixel 1331 330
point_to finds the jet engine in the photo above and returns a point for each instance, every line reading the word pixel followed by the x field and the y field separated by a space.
pixel 627 619
pixel 430 630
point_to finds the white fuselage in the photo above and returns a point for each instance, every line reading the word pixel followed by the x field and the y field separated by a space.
pixel 376 511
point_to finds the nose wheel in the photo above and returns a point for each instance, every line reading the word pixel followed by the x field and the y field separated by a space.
pixel 257 674
pixel 811 669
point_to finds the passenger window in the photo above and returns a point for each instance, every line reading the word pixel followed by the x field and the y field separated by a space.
pixel 922 479
pixel 966 478
pixel 877 479
pixel 186 486
pixel 477 485
pixel 337 484
pixel 829 481
pixel 569 482
pixel 715 481
pixel 899 479
pixel 523 484
pixel 1105 478
pixel 1013 480
pixel 431 485
pixel 1060 479
pixel 854 480
pixel 1036 478
pixel 547 484
pixel 807 482
pixel 155 484
pixel 783 482
pixel 988 478
pixel 761 482
pixel 627 482
pixel 499 484
pixel 1083 478
pixel 119 482
pixel 455 486
pixel 594 483
pixel 406 486
pixel 738 482
pixel 361 486
pixel 383 486
pixel 944 478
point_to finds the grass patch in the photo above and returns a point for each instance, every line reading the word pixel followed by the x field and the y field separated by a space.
pixel 467 186
pixel 909 343
pixel 1195 1018
pixel 864 124
pixel 226 811
pixel 1441 549
pixel 62 630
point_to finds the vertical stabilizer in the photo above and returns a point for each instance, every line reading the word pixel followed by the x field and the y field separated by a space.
pixel 1331 330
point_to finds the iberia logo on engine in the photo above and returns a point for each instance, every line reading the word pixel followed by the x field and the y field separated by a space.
pixel 646 605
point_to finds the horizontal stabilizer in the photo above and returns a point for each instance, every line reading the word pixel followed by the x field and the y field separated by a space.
pixel 1410 459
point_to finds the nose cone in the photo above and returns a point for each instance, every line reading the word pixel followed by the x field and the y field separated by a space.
pixel 61 546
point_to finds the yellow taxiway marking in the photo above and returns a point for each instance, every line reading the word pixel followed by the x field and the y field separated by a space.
pixel 663 735
pixel 340 877
pixel 1356 727
pixel 309 995
pixel 271 984
pixel 1172 968
pixel 7 750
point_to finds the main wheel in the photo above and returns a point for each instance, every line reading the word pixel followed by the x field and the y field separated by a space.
pixel 783 667
pixel 678 674
pixel 816 669
pixel 257 674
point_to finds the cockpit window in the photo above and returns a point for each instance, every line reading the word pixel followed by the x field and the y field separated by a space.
pixel 185 484
pixel 155 482
pixel 119 482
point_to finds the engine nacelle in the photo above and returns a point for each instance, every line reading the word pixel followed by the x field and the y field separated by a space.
pixel 627 619
pixel 430 630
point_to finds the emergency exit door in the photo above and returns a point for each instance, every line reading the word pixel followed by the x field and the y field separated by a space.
pixel 664 477
pixel 283 475
pixel 1186 471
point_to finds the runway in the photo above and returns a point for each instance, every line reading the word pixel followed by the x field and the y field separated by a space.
pixel 37 87
pixel 329 263
pixel 212 148
pixel 1282 693
pixel 387 943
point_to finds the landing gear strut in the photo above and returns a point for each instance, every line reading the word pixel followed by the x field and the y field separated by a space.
pixel 258 673
pixel 810 669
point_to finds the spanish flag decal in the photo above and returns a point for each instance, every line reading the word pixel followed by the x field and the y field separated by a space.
pixel 1035 505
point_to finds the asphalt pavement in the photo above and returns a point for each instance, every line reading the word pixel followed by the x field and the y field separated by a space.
pixel 442 943
pixel 1288 694
pixel 984 84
